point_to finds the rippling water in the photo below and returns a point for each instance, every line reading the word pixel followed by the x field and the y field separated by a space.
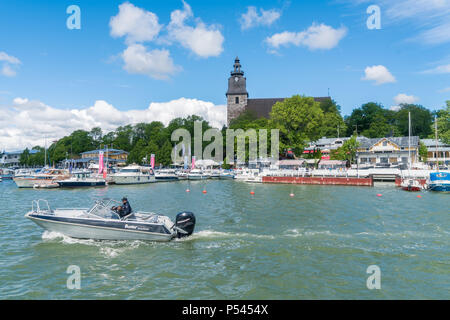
pixel 315 245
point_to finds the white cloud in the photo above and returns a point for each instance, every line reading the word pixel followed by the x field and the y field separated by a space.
pixel 205 41
pixel 380 74
pixel 9 59
pixel 252 19
pixel 19 100
pixel 404 98
pixel 439 69
pixel 7 70
pixel 444 90
pixel 156 63
pixel 395 108
pixel 136 24
pixel 27 122
pixel 315 37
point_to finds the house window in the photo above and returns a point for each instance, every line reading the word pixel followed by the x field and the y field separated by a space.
pixel 384 143
pixel 237 100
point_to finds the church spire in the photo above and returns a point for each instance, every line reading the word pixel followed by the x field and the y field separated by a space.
pixel 237 68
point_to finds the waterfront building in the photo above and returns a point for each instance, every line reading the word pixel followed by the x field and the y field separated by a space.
pixel 440 154
pixel 12 158
pixel 238 101
pixel 387 152
pixel 113 157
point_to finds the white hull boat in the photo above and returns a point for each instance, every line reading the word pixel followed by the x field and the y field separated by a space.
pixel 134 175
pixel 101 223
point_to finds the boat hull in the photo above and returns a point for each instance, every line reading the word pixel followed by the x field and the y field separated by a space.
pixel 77 184
pixel 166 178
pixel 30 183
pixel 121 180
pixel 409 188
pixel 440 187
pixel 98 230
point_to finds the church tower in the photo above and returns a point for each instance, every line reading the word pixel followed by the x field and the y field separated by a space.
pixel 237 94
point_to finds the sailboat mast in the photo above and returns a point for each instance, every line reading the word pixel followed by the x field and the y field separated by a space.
pixel 436 137
pixel 409 139
pixel 45 152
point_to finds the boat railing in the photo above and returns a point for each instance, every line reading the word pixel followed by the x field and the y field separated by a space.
pixel 36 206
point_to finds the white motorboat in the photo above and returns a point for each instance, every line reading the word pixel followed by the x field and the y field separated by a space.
pixel 198 174
pixel 134 174
pixel 81 179
pixel 246 174
pixel 226 175
pixel 45 177
pixel 182 175
pixel 163 175
pixel 101 223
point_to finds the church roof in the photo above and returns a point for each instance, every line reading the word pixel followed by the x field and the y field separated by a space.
pixel 262 107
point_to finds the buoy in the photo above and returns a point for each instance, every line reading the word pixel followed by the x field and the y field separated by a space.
pixel 187 190
pixel 252 193
pixel 291 195
pixel 379 195
pixel 204 191
pixel 419 196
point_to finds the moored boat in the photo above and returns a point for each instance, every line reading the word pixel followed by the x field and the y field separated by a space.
pixel 439 181
pixel 134 174
pixel 198 174
pixel 81 179
pixel 164 175
pixel 47 176
pixel 411 185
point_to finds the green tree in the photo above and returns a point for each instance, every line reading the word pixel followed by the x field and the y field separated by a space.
pixel 299 120
pixel 443 124
pixel 421 120
pixel 423 152
pixel 333 123
pixel 347 151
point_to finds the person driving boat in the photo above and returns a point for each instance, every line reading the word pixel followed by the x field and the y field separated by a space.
pixel 123 210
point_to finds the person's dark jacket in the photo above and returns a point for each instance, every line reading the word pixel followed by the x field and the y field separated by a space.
pixel 126 209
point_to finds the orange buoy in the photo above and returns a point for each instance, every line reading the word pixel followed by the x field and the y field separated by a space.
pixel 252 193
pixel 204 191
pixel 187 190
pixel 419 196
pixel 291 195
pixel 379 195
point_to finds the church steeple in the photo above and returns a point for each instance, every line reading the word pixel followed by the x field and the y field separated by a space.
pixel 237 83
pixel 237 68
pixel 237 94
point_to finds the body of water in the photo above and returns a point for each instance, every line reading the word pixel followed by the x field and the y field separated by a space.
pixel 315 245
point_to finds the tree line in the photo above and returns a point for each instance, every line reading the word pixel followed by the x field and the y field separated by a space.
pixel 299 119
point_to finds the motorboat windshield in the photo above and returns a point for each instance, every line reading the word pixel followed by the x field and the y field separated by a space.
pixel 102 209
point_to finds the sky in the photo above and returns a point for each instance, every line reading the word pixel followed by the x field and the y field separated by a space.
pixel 146 60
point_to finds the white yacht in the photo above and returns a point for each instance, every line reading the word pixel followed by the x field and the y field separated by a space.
pixel 198 174
pixel 45 177
pixel 246 174
pixel 134 174
pixel 163 175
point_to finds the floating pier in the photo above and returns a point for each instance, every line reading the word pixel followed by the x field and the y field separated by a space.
pixel 341 181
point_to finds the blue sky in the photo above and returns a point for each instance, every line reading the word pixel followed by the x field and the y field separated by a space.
pixel 46 63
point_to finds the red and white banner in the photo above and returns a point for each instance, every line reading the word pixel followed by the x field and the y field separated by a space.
pixel 152 161
pixel 100 162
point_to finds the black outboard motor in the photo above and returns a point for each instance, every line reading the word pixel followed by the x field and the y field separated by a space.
pixel 186 222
